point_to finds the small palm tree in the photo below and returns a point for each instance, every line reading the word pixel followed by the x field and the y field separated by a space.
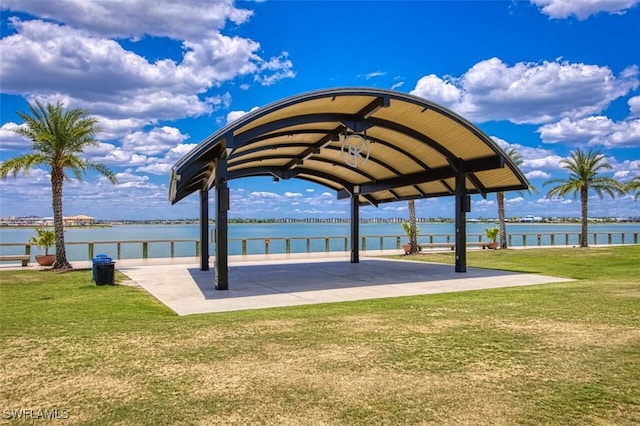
pixel 583 170
pixel 58 136
pixel 45 238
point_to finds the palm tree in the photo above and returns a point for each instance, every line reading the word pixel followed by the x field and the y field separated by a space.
pixel 583 175
pixel 517 160
pixel 58 135
pixel 413 228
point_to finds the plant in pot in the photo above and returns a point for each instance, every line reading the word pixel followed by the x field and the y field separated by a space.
pixel 492 234
pixel 407 230
pixel 45 238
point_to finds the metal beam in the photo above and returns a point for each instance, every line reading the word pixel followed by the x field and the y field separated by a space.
pixel 287 174
pixel 446 185
pixel 204 230
pixel 222 231
pixel 482 190
pixel 355 229
pixel 320 143
pixel 440 173
pixel 375 105
pixel 461 220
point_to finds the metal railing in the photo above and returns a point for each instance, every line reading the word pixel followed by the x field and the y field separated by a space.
pixel 144 249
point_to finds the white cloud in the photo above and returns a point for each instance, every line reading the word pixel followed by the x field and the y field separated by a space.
pixel 292 194
pixel 101 150
pixel 112 155
pixel 484 202
pixel 534 160
pixel 395 208
pixel 234 115
pixel 513 201
pixel 562 9
pixel 154 142
pixel 626 134
pixel 549 162
pixel 537 174
pixel 278 67
pixel 118 127
pixel 135 18
pixel 594 130
pixel 578 131
pixel 634 106
pixel 528 92
pixel 553 201
pixel 179 151
pixel 158 168
pixel 77 57
pixel 98 74
pixel 127 179
pixel 626 170
pixel 374 74
pixel 9 139
pixel 433 88
pixel 264 194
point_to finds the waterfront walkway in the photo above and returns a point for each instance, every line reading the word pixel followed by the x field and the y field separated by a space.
pixel 268 281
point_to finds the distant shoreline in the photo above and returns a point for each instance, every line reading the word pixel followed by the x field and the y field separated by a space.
pixel 346 222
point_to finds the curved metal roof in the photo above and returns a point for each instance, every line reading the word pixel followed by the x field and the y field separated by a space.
pixel 404 147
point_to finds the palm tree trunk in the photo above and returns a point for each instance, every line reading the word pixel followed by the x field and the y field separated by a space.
pixel 413 237
pixel 584 190
pixel 501 220
pixel 57 177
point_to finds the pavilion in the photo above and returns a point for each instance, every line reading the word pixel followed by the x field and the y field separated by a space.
pixel 369 145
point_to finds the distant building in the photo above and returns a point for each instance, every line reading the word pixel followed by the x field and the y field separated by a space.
pixel 80 220
pixel 530 219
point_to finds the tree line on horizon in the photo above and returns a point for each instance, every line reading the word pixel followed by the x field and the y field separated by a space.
pixel 59 136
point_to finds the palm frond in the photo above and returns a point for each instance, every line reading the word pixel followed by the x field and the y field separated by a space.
pixel 22 163
pixel 102 169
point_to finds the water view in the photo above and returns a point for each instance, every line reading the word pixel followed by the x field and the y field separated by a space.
pixel 299 237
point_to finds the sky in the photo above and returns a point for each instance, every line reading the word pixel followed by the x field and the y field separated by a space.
pixel 543 76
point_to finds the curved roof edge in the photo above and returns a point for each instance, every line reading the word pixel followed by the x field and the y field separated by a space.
pixel 189 169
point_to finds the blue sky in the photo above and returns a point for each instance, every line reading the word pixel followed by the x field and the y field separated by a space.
pixel 543 76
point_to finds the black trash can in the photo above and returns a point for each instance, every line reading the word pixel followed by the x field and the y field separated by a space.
pixel 105 273
pixel 100 258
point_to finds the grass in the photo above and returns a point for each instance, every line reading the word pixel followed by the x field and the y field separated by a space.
pixel 551 354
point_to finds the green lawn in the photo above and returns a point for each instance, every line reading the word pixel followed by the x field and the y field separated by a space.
pixel 551 354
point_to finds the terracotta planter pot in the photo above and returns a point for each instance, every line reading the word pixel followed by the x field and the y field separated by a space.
pixel 46 259
pixel 407 248
pixel 492 246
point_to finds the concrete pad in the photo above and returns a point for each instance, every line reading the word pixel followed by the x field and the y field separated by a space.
pixel 186 289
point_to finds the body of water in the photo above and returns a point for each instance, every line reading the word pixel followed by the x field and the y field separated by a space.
pixel 302 236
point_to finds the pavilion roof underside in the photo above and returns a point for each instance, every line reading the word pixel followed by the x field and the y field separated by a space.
pixel 415 148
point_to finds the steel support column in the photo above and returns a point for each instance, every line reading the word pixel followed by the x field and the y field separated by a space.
pixel 462 207
pixel 355 229
pixel 204 230
pixel 221 264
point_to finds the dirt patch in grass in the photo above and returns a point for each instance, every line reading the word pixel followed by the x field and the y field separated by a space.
pixel 341 384
pixel 577 336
